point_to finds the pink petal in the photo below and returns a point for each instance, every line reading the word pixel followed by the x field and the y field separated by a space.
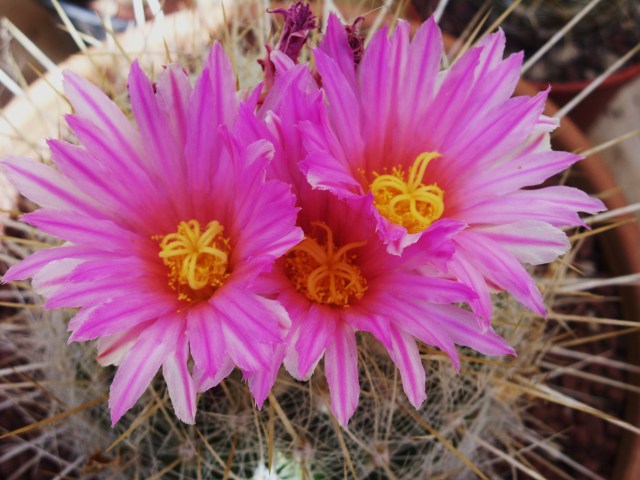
pixel 464 330
pixel 341 371
pixel 427 322
pixel 154 127
pixel 344 111
pixel 425 55
pixel 54 276
pixel 316 329
pixel 374 75
pixel 486 140
pixel 45 186
pixel 462 268
pixel 394 236
pixel 206 341
pixel 81 168
pixel 85 230
pixel 182 389
pixel 293 92
pixel 281 61
pixel 223 85
pixel 173 92
pixel 435 246
pixel 134 177
pixel 261 382
pixel 325 172
pixel 76 295
pixel 141 364
pixel 117 267
pixel 113 348
pixel 427 288
pixel 496 78
pixel 249 329
pixel 523 171
pixel 529 241
pixel 38 260
pixel 90 103
pixel 554 205
pixel 264 216
pixel 500 268
pixel 336 46
pixel 213 103
pixel 113 316
pixel 455 90
pixel 406 356
pixel 205 382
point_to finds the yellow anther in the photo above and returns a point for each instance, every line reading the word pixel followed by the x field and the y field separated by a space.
pixel 324 273
pixel 409 202
pixel 197 260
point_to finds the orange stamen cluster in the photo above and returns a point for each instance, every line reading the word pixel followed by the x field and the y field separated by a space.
pixel 325 273
pixel 409 202
pixel 198 261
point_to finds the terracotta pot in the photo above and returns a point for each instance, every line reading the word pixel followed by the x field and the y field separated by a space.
pixel 620 248
pixel 594 104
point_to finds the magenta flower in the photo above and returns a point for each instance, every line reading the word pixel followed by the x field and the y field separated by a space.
pixel 340 279
pixel 167 227
pixel 299 20
pixel 424 146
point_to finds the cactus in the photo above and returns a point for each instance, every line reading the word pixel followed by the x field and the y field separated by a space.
pixel 471 422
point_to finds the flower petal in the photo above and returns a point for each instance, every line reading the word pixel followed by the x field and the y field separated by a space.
pixel 141 364
pixel 529 241
pixel 316 329
pixel 112 317
pixel 341 370
pixel 85 230
pixel 250 329
pixel 206 341
pixel 336 46
pixel 90 103
pixel 554 205
pixel 173 92
pixel 45 186
pixel 113 348
pixel 182 389
pixel 261 382
pixel 500 268
pixel 154 125
pixel 344 111
pixel 38 260
pixel 406 356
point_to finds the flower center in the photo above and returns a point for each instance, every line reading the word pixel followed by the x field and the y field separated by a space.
pixel 197 260
pixel 324 273
pixel 410 202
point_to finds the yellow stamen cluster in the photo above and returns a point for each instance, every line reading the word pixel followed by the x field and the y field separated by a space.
pixel 197 260
pixel 324 273
pixel 410 202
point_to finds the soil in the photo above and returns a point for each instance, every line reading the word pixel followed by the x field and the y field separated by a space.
pixel 607 33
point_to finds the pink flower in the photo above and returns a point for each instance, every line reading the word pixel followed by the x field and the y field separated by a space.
pixel 167 227
pixel 299 20
pixel 424 146
pixel 340 279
